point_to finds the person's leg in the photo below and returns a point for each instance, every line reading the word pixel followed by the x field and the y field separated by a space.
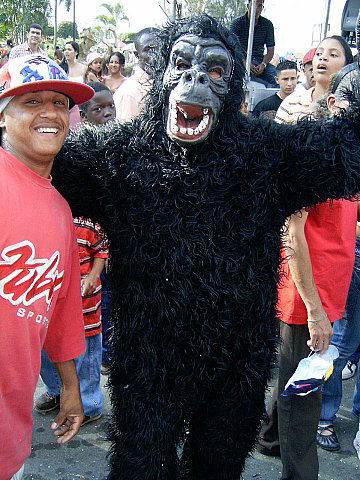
pixel 268 76
pixel 298 416
pixel 106 325
pixel 268 442
pixel 88 370
pixel 356 399
pixel 354 358
pixel 49 375
pixel 347 339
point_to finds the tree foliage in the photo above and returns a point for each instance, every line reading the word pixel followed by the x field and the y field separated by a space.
pixel 16 15
pixel 65 30
pixel 115 14
pixel 225 10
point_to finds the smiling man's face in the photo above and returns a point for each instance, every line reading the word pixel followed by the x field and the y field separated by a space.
pixel 34 127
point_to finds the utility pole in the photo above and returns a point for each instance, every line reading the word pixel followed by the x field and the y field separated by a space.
pixel 326 23
pixel 74 21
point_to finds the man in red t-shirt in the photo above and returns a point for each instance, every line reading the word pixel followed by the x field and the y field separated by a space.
pixel 40 302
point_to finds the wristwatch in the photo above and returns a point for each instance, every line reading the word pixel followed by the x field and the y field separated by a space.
pixel 263 63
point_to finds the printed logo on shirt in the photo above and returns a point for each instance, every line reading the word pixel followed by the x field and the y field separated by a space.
pixel 24 278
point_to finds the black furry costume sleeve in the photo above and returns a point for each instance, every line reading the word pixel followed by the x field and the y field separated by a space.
pixel 307 163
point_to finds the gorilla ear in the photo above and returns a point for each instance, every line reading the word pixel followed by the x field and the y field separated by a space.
pixel 331 104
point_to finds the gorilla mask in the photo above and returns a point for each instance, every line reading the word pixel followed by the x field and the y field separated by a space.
pixel 198 77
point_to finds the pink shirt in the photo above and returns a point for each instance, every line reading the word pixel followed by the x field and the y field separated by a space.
pixel 40 301
pixel 129 98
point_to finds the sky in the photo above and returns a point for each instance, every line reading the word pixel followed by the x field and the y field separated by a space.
pixel 294 20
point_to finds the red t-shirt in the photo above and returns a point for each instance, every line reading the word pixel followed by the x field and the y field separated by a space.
pixel 330 231
pixel 40 301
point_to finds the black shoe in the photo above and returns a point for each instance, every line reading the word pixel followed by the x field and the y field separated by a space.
pixel 327 442
pixel 270 452
pixel 46 403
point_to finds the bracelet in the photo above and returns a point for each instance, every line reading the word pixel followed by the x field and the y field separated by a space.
pixel 263 63
pixel 314 321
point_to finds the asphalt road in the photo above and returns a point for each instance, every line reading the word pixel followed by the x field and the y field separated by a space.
pixel 84 458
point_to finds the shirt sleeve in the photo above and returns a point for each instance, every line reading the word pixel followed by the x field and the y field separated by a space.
pixel 65 338
pixel 127 107
pixel 99 246
pixel 270 36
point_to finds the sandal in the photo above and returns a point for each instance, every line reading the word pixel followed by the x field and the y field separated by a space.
pixel 327 442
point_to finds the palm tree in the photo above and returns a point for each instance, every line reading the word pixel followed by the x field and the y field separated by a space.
pixel 67 6
pixel 116 13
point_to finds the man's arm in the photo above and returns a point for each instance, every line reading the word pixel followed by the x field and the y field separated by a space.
pixel 68 421
pixel 297 250
pixel 89 283
pixel 267 59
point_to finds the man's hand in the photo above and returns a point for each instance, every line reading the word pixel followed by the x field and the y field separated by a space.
pixel 70 417
pixel 253 69
pixel 320 332
pixel 259 69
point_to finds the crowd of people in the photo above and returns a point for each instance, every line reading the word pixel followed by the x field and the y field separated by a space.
pixel 318 294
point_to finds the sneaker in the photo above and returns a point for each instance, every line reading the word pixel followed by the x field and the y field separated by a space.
pixel 105 369
pixel 349 370
pixel 46 403
pixel 88 419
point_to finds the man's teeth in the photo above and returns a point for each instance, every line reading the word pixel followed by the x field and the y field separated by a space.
pixel 175 128
pixel 47 130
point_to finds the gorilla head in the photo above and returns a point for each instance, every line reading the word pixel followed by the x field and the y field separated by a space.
pixel 198 76
pixel 198 86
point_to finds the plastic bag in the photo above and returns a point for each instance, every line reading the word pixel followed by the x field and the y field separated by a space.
pixel 311 373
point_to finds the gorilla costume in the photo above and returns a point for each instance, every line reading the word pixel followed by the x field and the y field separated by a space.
pixel 193 197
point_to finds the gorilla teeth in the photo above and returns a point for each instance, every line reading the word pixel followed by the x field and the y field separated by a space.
pixel 190 131
pixel 196 131
pixel 175 129
pixel 183 130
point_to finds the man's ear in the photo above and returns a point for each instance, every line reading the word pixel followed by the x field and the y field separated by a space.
pixel 83 114
pixel 277 79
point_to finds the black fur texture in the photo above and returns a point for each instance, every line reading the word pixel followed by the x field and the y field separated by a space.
pixel 195 240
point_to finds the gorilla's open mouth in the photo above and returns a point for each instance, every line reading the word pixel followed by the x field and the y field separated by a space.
pixel 189 122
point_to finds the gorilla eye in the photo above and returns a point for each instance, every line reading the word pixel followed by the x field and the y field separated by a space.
pixel 216 73
pixel 181 65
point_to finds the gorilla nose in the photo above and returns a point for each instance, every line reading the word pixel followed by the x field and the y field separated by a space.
pixel 196 78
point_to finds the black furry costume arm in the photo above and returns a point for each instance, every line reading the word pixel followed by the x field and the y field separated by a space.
pixel 310 162
pixel 88 169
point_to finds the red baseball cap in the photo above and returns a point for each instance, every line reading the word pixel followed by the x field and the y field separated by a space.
pixel 309 56
pixel 34 73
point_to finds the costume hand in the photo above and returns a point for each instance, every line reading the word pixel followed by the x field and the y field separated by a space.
pixel 320 332
pixel 88 284
pixel 260 68
pixel 68 421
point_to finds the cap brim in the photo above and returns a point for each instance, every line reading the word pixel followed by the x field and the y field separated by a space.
pixel 78 92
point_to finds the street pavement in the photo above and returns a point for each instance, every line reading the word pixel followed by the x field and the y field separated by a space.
pixel 84 457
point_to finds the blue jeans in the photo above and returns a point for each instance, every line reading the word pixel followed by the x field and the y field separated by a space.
pixel 347 339
pixel 267 78
pixel 88 370
pixel 107 327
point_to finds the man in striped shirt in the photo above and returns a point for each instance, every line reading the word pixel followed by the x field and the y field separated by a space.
pixel 261 69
